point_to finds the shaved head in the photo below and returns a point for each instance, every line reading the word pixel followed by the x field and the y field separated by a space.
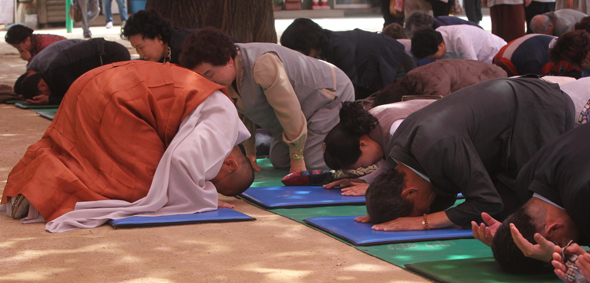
pixel 241 177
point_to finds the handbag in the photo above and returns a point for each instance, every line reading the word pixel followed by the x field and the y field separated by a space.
pixel 75 12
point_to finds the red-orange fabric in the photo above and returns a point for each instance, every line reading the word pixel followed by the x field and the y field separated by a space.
pixel 108 136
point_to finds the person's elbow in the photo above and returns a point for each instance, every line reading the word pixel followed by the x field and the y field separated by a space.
pixel 492 207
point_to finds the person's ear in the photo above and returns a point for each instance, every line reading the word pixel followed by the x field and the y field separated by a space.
pixel 552 229
pixel 409 193
pixel 28 40
pixel 230 62
pixel 231 162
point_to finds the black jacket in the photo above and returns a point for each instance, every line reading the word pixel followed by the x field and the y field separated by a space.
pixel 371 60
pixel 476 140
pixel 560 172
pixel 78 59
pixel 177 37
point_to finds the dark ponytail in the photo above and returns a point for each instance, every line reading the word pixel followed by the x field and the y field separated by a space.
pixel 342 145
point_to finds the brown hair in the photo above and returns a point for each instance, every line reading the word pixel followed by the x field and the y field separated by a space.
pixel 571 47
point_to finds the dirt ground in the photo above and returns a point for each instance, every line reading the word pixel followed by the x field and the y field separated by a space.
pixel 270 249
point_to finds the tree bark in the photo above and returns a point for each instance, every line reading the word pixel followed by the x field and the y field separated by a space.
pixel 245 20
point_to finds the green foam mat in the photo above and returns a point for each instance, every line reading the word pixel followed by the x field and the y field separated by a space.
pixel 48 114
pixel 269 176
pixel 26 105
pixel 14 101
pixel 48 111
pixel 478 270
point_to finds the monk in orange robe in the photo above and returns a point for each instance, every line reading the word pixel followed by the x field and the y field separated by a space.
pixel 112 129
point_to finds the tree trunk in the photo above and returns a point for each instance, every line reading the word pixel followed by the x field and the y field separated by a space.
pixel 245 20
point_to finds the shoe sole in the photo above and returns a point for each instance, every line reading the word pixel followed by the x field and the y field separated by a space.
pixel 20 208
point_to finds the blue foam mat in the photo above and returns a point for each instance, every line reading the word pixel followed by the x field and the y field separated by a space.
pixel 219 215
pixel 298 196
pixel 361 234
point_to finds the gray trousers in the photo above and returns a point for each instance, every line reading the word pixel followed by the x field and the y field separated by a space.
pixel 90 11
pixel 318 127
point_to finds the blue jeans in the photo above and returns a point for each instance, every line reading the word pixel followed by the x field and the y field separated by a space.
pixel 108 14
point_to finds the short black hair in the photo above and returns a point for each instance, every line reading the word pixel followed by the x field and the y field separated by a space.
pixel 30 86
pixel 425 43
pixel 16 34
pixel 207 45
pixel 18 84
pixel 417 21
pixel 508 255
pixel 302 35
pixel 384 197
pixel 149 23
pixel 342 144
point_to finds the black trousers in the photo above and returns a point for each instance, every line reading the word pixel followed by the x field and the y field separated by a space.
pixel 440 8
pixel 473 10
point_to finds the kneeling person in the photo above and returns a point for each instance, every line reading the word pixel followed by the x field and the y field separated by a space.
pixel 54 69
pixel 473 142
pixel 133 138
pixel 294 97
pixel 456 42
pixel 555 185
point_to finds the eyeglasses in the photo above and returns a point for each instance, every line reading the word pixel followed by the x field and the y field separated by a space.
pixel 224 178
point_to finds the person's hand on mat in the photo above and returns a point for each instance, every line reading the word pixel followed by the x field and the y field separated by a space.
pixel 485 233
pixel 357 189
pixel 343 183
pixel 401 224
pixel 39 99
pixel 363 219
pixel 252 158
pixel 224 204
pixel 542 251
pixel 297 165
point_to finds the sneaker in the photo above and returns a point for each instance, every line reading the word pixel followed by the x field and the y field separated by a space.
pixel 109 25
pixel 20 207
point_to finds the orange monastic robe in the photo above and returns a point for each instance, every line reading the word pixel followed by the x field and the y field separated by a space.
pixel 108 136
